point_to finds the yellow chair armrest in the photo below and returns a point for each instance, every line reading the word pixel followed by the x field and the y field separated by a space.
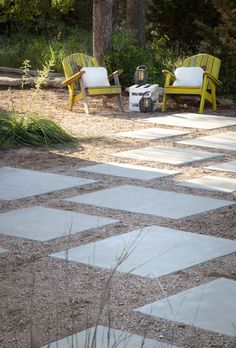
pixel 169 77
pixel 73 78
pixel 212 78
pixel 167 72
pixel 117 72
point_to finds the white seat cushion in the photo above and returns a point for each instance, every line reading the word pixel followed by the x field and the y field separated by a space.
pixel 95 77
pixel 191 77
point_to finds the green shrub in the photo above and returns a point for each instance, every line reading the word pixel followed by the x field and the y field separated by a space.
pixel 164 56
pixel 127 55
pixel 19 47
pixel 221 42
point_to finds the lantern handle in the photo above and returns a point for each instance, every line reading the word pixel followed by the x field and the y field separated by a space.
pixel 143 67
pixel 147 94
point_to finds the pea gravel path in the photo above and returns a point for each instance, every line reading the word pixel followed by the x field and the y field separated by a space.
pixel 44 299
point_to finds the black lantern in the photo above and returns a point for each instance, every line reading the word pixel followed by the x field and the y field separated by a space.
pixel 146 104
pixel 141 75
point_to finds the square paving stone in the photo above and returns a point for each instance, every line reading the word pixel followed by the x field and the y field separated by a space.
pixel 210 306
pixel 172 155
pixel 214 183
pixel 43 224
pixel 128 171
pixel 18 183
pixel 153 251
pixel 152 133
pixel 227 166
pixel 191 120
pixel 2 250
pixel 224 141
pixel 144 200
pixel 117 339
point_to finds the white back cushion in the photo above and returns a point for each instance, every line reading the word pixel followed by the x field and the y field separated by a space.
pixel 95 77
pixel 192 76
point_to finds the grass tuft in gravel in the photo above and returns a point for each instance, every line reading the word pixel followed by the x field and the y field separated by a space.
pixel 32 130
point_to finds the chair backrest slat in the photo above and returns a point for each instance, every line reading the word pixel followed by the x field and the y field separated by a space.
pixel 216 67
pixel 210 63
pixel 206 61
pixel 74 62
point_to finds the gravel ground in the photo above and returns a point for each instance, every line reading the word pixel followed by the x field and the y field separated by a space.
pixel 44 299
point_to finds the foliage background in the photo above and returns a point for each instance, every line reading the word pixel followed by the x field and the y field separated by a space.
pixel 33 29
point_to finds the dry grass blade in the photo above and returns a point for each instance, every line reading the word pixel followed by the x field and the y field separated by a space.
pixel 16 129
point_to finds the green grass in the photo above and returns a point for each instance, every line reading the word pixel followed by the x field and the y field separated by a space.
pixel 31 130
pixel 16 48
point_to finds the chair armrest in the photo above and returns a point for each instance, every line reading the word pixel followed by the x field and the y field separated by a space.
pixel 168 77
pixel 73 78
pixel 212 78
pixel 167 72
pixel 117 73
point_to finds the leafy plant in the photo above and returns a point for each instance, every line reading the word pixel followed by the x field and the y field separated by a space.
pixel 127 55
pixel 18 47
pixel 221 42
pixel 164 56
pixel 16 129
pixel 177 20
pixel 43 74
pixel 26 72
pixel 32 14
pixel 28 128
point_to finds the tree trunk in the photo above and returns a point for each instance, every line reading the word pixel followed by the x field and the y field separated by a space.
pixel 102 28
pixel 135 19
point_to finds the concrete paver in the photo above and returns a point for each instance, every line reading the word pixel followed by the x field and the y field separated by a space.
pixel 128 171
pixel 191 120
pixel 152 133
pixel 43 224
pixel 152 252
pixel 171 155
pixel 210 306
pixel 107 338
pixel 223 141
pixel 18 183
pixel 210 182
pixel 137 199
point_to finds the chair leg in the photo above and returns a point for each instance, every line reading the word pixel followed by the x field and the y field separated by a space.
pixel 202 102
pixel 71 101
pixel 214 103
pixel 213 96
pixel 203 95
pixel 164 102
pixel 86 106
pixel 120 101
pixel 85 100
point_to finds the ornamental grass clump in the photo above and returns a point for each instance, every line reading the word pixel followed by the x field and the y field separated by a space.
pixel 16 129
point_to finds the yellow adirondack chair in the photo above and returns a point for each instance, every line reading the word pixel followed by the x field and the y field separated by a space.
pixel 77 91
pixel 207 91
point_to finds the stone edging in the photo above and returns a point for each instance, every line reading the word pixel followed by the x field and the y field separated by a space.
pixel 12 77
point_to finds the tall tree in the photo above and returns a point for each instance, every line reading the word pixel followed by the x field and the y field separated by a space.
pixel 221 41
pixel 31 15
pixel 135 19
pixel 176 20
pixel 102 28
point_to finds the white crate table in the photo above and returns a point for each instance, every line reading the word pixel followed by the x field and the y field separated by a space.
pixel 136 92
